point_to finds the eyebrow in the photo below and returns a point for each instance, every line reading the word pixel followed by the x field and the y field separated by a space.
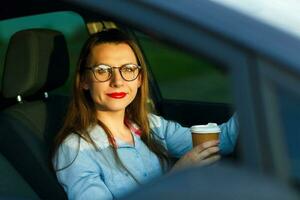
pixel 113 66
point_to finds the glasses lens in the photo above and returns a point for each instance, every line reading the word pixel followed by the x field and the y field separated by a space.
pixel 102 72
pixel 130 72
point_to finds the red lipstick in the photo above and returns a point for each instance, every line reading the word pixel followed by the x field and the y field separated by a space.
pixel 117 95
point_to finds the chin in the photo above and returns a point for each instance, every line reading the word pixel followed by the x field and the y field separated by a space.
pixel 116 107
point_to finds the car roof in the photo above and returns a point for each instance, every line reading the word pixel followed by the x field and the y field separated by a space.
pixel 174 20
pixel 220 19
pixel 283 15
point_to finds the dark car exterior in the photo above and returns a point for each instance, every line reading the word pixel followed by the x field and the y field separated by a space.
pixel 263 62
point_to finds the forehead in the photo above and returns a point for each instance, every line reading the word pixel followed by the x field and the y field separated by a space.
pixel 113 54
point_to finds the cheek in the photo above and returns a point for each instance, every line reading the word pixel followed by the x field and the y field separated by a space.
pixel 95 94
pixel 135 90
pixel 96 89
pixel 89 83
pixel 139 81
pixel 137 84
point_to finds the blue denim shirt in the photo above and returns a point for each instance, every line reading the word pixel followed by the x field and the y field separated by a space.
pixel 91 173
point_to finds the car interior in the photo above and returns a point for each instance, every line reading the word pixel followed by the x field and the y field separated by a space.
pixel 31 114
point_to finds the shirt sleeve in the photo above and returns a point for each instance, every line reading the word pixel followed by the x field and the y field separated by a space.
pixel 177 139
pixel 78 174
pixel 229 134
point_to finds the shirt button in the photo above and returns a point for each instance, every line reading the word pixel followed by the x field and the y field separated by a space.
pixel 145 174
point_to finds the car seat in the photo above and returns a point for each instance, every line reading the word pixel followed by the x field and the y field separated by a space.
pixel 13 186
pixel 36 62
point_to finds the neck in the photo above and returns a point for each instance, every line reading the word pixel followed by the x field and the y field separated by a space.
pixel 111 119
pixel 115 123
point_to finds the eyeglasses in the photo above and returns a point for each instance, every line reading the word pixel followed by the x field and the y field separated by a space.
pixel 103 72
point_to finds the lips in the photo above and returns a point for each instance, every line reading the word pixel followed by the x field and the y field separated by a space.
pixel 117 95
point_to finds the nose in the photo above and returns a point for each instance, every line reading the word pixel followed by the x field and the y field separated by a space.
pixel 116 78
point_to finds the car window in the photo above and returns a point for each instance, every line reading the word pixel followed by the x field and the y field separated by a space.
pixel 181 76
pixel 69 23
pixel 281 97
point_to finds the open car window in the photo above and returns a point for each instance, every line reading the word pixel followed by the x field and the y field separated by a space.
pixel 183 76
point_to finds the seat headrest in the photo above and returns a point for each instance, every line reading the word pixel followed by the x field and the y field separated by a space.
pixel 36 59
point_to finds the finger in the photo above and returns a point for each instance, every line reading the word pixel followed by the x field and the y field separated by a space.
pixel 209 160
pixel 210 143
pixel 208 152
pixel 206 145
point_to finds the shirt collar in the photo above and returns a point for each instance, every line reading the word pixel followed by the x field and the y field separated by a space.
pixel 101 140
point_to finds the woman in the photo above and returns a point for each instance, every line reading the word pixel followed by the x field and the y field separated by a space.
pixel 110 143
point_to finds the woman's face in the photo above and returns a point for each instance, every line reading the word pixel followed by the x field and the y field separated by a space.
pixel 116 93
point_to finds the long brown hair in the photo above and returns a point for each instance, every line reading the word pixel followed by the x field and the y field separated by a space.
pixel 81 113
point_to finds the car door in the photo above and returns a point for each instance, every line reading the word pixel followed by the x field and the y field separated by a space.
pixel 235 40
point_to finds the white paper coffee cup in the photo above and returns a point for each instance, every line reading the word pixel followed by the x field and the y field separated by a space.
pixel 204 133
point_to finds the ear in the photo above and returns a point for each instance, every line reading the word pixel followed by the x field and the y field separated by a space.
pixel 84 84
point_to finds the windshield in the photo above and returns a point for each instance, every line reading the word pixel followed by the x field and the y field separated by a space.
pixel 278 13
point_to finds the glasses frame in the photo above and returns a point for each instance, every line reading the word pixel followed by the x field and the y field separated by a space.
pixel 139 68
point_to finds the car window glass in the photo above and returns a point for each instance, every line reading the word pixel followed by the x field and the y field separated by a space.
pixel 182 76
pixel 289 110
pixel 69 23
pixel 280 91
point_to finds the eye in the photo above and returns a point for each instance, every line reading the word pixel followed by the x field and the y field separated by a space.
pixel 102 69
pixel 129 68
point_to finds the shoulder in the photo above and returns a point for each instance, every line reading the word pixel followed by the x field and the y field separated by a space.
pixel 156 121
pixel 97 134
pixel 76 149
pixel 159 126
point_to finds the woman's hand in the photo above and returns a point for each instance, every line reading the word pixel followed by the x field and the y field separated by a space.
pixel 203 154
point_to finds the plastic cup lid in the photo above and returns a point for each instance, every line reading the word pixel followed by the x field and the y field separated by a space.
pixel 208 128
